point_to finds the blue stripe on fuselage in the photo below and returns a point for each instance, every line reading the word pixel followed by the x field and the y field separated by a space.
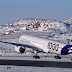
pixel 65 49
pixel 67 46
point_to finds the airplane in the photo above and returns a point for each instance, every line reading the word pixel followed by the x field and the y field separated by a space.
pixel 41 45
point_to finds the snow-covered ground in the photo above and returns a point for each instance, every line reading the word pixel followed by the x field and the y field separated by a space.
pixel 11 55
pixel 32 69
pixel 44 28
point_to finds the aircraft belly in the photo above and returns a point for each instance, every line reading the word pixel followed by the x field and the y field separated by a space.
pixel 55 52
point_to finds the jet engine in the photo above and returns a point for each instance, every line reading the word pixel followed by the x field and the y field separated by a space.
pixel 19 49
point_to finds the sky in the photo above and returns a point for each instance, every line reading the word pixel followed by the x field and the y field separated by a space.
pixel 13 10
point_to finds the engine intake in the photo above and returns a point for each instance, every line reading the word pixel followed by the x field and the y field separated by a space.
pixel 22 50
pixel 19 49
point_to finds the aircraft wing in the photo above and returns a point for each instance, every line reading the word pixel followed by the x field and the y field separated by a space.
pixel 16 44
pixel 23 45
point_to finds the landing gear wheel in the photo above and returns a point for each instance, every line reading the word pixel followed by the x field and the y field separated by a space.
pixel 57 57
pixel 36 57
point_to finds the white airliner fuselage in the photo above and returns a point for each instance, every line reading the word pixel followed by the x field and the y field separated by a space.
pixel 45 45
pixel 40 44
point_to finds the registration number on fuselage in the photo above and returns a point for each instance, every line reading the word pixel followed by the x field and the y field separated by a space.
pixel 53 46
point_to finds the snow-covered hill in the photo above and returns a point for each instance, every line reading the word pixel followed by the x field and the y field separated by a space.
pixel 69 21
pixel 32 24
pixel 50 29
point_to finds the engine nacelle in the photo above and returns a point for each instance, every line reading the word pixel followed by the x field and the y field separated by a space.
pixel 19 49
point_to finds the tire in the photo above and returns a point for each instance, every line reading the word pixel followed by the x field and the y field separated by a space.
pixel 36 57
pixel 57 57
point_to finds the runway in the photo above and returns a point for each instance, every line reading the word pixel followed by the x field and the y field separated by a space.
pixel 36 63
pixel 16 59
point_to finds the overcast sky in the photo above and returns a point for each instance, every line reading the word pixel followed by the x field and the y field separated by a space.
pixel 13 10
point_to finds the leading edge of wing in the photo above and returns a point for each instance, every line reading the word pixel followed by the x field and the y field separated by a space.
pixel 16 44
pixel 24 45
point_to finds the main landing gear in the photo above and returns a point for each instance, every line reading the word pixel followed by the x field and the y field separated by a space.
pixel 57 57
pixel 36 56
